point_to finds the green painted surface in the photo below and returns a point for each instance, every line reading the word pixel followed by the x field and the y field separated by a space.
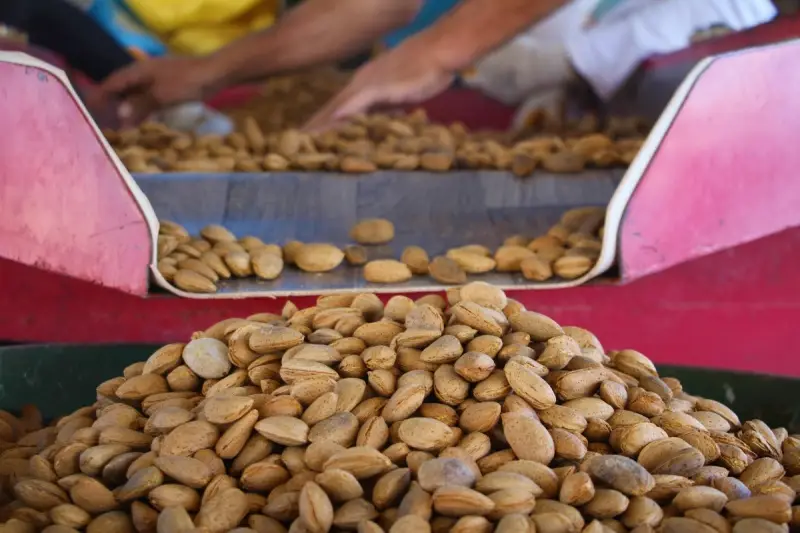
pixel 61 378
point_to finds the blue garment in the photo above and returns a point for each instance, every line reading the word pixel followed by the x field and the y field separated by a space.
pixel 116 19
pixel 430 13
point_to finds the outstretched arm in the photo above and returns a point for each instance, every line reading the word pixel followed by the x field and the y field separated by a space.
pixel 315 32
pixel 425 64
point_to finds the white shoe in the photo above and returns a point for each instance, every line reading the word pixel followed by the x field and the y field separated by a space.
pixel 197 118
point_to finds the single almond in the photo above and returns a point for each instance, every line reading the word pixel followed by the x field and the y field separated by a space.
pixel 274 339
pixel 315 508
pixel 404 402
pixel 186 470
pixel 361 461
pixel 445 270
pixel 224 511
pixel 265 264
pixel 386 271
pixel 526 383
pixel 207 357
pixel 538 326
pixel 355 255
pixel 226 409
pixel 188 438
pixel 318 257
pixel 621 473
pixel 471 263
pixel 424 433
pixel 139 387
pixel 416 259
pixel 372 231
pixel 528 438
pixel 453 500
pixel 164 359
pixel 285 430
pixel 192 281
pixel 215 233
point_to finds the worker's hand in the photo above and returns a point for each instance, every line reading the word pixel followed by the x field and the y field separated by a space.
pixel 403 75
pixel 148 86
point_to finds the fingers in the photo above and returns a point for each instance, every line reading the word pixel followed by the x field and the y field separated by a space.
pixel 130 89
pixel 353 100
pixel 135 109
pixel 126 80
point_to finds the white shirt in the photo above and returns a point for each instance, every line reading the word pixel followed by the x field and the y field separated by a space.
pixel 534 60
pixel 607 53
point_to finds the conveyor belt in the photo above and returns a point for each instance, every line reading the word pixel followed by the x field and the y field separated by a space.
pixel 435 211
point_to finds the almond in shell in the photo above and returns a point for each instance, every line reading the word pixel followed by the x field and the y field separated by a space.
pixel 386 271
pixel 454 500
pixel 372 231
pixel 621 473
pixel 471 263
pixel 265 264
pixel 424 433
pixel 528 438
pixel 192 281
pixel 207 357
pixel 188 438
pixel 285 430
pixel 361 461
pixel 416 259
pixel 355 254
pixel 509 258
pixel 318 257
pixel 445 270
pixel 186 470
pixel 224 511
pixel 527 383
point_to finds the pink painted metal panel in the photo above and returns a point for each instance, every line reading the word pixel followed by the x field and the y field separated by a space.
pixel 64 206
pixel 726 171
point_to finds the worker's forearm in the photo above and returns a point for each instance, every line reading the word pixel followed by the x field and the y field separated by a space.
pixel 476 27
pixel 315 32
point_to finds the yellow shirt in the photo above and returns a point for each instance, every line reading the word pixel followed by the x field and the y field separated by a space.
pixel 199 27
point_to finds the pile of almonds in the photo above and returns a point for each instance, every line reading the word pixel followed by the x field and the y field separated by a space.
pixel 289 101
pixel 372 142
pixel 568 250
pixel 473 415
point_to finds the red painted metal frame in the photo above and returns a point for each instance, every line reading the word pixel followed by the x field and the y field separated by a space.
pixel 780 29
pixel 736 309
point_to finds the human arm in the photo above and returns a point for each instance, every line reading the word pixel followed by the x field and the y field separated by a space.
pixel 315 32
pixel 476 27
pixel 425 64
